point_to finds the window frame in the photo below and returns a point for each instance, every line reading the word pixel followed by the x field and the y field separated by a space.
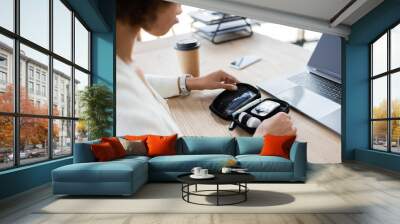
pixel 388 74
pixel 16 115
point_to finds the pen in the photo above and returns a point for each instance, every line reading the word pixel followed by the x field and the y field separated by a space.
pixel 240 62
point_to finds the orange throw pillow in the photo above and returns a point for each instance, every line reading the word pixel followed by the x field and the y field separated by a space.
pixel 277 145
pixel 161 145
pixel 103 152
pixel 116 145
pixel 136 137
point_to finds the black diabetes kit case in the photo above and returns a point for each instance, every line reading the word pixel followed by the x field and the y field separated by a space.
pixel 228 102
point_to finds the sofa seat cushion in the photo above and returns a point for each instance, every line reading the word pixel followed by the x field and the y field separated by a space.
pixel 185 163
pixel 257 163
pixel 133 158
pixel 112 171
pixel 202 145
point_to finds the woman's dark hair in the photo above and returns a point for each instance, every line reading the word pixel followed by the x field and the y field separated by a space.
pixel 139 12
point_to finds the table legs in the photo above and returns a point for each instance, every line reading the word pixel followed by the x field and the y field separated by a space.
pixel 242 191
pixel 217 194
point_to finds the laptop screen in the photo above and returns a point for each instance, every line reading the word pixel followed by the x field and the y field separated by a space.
pixel 326 58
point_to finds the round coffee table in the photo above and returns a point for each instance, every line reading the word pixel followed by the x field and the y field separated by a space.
pixel 238 179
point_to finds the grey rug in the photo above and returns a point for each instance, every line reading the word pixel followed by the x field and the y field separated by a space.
pixel 166 198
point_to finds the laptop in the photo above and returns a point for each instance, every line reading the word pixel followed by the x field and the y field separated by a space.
pixel 315 92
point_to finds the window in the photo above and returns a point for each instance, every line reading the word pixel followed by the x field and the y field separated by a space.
pixel 30 87
pixel 7 14
pixel 3 72
pixel 38 74
pixel 3 78
pixel 81 81
pixel 3 61
pixel 37 89
pixel 44 91
pixel 6 142
pixel 3 82
pixel 30 72
pixel 385 91
pixel 62 29
pixel 46 74
pixel 33 149
pixel 62 137
pixel 81 45
pixel 34 21
pixel 43 77
pixel 62 75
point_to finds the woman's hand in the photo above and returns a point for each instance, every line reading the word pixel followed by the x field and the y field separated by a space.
pixel 215 80
pixel 279 124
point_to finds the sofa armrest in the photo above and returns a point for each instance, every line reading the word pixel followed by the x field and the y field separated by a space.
pixel 83 152
pixel 298 155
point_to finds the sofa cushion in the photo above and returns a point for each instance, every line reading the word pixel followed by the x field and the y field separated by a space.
pixel 197 145
pixel 185 163
pixel 136 137
pixel 112 171
pixel 249 145
pixel 132 159
pixel 159 145
pixel 83 153
pixel 103 152
pixel 116 145
pixel 257 163
pixel 277 145
pixel 134 147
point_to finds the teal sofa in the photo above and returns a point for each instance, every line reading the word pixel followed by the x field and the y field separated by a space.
pixel 125 176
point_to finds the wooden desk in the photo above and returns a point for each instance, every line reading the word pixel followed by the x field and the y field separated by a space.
pixel 278 60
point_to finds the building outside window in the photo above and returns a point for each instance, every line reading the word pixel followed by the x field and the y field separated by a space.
pixel 44 91
pixel 38 89
pixel 3 81
pixel 385 91
pixel 30 87
pixel 37 74
pixel 55 97
pixel 44 77
pixel 30 72
pixel 3 61
pixel 57 129
pixel 3 78
pixel 3 72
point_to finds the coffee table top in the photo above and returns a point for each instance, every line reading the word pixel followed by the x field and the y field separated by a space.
pixel 220 178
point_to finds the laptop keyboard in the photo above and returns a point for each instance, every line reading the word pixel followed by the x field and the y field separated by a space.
pixel 319 85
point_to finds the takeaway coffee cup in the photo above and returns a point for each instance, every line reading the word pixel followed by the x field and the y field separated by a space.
pixel 187 51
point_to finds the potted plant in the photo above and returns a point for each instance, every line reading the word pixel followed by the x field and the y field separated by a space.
pixel 96 103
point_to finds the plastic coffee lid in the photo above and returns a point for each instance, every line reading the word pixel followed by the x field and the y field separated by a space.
pixel 187 44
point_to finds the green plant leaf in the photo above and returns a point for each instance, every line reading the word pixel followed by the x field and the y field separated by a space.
pixel 96 102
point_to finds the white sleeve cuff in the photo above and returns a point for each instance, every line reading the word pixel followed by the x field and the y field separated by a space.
pixel 166 86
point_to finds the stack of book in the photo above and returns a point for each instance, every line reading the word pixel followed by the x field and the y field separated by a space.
pixel 220 27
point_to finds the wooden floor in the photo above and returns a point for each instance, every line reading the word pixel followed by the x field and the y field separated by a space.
pixel 378 189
